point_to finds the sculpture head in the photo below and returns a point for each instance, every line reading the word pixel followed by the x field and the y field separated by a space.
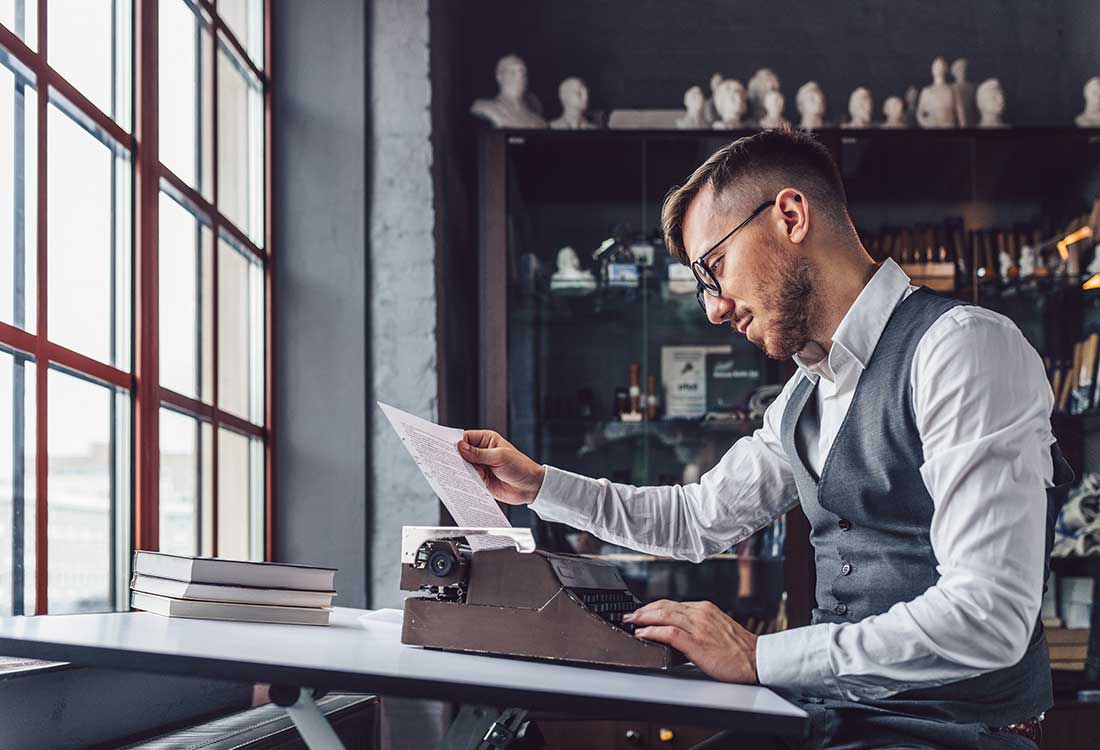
pixel 729 100
pixel 860 105
pixel 958 70
pixel 568 260
pixel 810 99
pixel 693 99
pixel 715 81
pixel 893 108
pixel 773 104
pixel 512 76
pixel 991 97
pixel 939 69
pixel 574 95
pixel 762 81
pixel 1092 94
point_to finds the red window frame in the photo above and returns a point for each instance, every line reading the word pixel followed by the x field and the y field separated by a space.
pixel 143 382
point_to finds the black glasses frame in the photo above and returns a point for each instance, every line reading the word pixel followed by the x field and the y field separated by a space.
pixel 704 277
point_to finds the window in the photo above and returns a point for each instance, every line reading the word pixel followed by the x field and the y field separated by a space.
pixel 135 278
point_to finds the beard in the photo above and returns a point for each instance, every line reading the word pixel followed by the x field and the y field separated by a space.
pixel 789 292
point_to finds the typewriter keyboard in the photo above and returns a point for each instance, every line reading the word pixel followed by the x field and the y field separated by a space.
pixel 610 605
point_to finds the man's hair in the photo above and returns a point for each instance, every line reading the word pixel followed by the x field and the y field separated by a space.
pixel 753 169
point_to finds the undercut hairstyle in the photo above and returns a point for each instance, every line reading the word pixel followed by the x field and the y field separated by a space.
pixel 752 169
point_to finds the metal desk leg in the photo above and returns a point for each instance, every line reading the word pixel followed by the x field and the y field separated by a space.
pixel 316 732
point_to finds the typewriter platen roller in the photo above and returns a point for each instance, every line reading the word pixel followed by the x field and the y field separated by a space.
pixel 531 604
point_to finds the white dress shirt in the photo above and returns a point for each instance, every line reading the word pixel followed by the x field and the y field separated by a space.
pixel 982 405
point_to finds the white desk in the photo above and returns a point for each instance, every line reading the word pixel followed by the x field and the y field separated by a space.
pixel 367 656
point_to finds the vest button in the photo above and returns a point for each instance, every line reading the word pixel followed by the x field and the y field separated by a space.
pixel 844 524
pixel 846 568
pixel 840 609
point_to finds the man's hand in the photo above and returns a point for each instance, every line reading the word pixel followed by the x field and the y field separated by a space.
pixel 704 634
pixel 510 476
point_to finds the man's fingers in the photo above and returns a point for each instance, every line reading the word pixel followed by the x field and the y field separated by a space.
pixel 488 456
pixel 480 438
pixel 664 613
pixel 667 634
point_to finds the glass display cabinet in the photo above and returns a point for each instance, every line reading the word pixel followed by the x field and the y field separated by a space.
pixel 599 360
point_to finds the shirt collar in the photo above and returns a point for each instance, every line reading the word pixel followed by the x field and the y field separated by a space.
pixel 863 324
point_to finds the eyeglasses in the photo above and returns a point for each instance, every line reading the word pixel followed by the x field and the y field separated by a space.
pixel 705 277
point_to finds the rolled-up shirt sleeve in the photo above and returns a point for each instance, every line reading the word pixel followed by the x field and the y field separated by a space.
pixel 982 405
pixel 749 487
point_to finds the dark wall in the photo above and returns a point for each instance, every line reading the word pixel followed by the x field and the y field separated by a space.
pixel 320 153
pixel 646 53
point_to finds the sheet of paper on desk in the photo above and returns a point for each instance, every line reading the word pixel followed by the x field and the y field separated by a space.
pixel 434 449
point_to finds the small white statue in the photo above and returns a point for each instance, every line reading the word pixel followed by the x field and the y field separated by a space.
pixel 762 81
pixel 509 109
pixel 894 110
pixel 574 103
pixel 570 277
pixel 911 95
pixel 810 101
pixel 693 106
pixel 936 105
pixel 966 105
pixel 1006 264
pixel 991 104
pixel 1094 265
pixel 729 104
pixel 860 107
pixel 1090 118
pixel 710 112
pixel 1028 261
pixel 773 111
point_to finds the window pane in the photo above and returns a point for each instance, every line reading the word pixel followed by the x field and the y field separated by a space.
pixel 89 491
pixel 18 194
pixel 17 485
pixel 90 47
pixel 245 18
pixel 240 145
pixel 21 17
pixel 240 497
pixel 88 239
pixel 240 333
pixel 186 302
pixel 185 483
pixel 186 114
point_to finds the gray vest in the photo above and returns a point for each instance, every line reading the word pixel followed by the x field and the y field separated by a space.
pixel 870 516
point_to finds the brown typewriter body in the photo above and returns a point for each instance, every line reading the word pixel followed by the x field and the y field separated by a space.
pixel 537 605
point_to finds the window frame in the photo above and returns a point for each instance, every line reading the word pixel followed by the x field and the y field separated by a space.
pixel 148 175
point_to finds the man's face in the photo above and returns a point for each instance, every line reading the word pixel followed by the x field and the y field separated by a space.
pixel 767 290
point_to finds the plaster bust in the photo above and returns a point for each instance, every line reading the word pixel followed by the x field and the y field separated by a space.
pixel 936 105
pixel 810 101
pixel 860 107
pixel 762 81
pixel 991 104
pixel 509 108
pixel 574 102
pixel 966 106
pixel 570 275
pixel 1090 118
pixel 693 110
pixel 711 110
pixel 894 110
pixel 773 111
pixel 729 105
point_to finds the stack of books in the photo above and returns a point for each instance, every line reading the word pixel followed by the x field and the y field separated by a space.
pixel 211 588
pixel 1068 648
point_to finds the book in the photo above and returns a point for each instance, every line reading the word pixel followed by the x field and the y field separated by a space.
pixel 233 594
pixel 168 607
pixel 234 572
pixel 1071 636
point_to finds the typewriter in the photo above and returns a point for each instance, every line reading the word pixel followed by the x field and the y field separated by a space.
pixel 519 601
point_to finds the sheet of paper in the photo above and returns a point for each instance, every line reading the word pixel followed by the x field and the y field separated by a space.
pixel 434 448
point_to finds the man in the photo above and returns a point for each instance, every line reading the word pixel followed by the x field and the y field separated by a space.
pixel 916 436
